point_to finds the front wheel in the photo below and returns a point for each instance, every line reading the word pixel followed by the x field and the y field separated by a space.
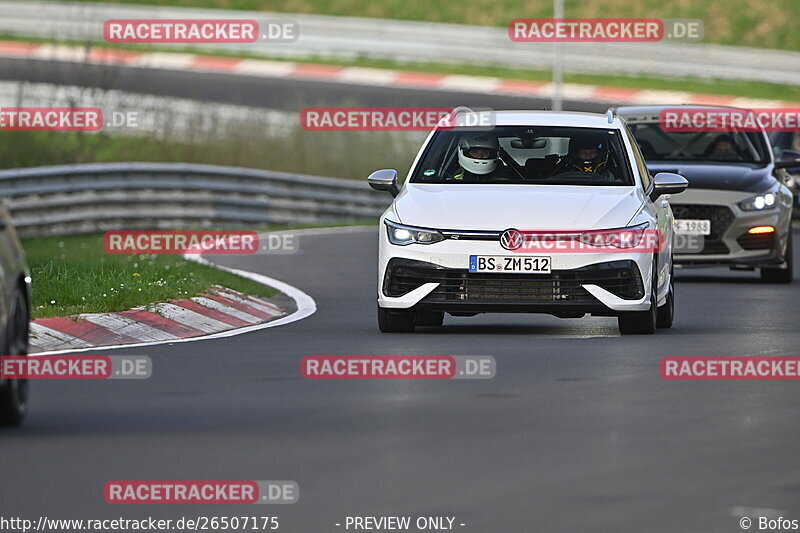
pixel 641 322
pixel 781 275
pixel 14 392
pixel 396 320
pixel 666 313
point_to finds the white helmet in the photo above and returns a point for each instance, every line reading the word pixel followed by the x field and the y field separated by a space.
pixel 477 153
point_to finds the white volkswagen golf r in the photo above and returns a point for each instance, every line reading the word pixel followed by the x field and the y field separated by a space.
pixel 542 212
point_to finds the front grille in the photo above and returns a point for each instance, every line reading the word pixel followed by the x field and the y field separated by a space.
pixel 621 278
pixel 721 218
pixel 758 241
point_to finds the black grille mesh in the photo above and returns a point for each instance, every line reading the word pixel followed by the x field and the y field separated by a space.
pixel 621 278
pixel 759 241
pixel 721 218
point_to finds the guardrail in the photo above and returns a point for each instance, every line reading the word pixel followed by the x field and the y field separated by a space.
pixel 74 199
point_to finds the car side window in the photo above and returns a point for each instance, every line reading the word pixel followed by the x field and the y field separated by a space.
pixel 639 158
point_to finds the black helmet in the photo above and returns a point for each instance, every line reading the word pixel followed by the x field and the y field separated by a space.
pixel 588 152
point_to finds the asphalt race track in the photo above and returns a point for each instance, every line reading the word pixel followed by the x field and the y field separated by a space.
pixel 577 431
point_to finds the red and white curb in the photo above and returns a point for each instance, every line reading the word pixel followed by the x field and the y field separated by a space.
pixel 369 76
pixel 220 310
pixel 220 313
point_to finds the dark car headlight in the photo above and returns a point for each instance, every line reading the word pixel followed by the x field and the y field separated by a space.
pixel 402 235
pixel 761 202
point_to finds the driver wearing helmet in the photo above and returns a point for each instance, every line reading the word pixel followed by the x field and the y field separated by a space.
pixel 477 157
pixel 587 153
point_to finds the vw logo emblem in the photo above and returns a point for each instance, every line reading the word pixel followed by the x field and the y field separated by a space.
pixel 511 239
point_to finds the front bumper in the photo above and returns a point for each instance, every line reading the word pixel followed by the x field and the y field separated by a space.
pixel 729 242
pixel 436 278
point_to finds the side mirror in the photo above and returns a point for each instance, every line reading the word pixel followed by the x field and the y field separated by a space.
pixel 787 158
pixel 667 183
pixel 384 180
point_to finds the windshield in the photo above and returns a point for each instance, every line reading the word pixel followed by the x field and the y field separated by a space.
pixel 723 146
pixel 785 140
pixel 525 155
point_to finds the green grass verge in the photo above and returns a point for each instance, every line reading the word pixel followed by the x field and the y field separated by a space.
pixel 772 24
pixel 74 275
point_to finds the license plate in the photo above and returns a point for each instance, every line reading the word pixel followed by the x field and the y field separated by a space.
pixel 693 227
pixel 510 264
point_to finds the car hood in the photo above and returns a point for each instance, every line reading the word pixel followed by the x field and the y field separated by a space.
pixel 526 207
pixel 721 176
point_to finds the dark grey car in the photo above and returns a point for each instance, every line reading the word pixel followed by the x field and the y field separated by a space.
pixel 15 302
pixel 737 210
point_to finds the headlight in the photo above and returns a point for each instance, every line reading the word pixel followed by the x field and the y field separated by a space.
pixel 760 202
pixel 629 237
pixel 404 235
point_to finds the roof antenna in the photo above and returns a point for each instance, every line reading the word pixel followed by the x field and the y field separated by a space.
pixel 610 115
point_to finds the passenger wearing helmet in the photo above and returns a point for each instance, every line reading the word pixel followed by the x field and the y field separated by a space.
pixel 587 153
pixel 477 157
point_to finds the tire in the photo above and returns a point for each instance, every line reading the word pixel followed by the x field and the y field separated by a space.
pixel 781 275
pixel 14 392
pixel 396 321
pixel 641 322
pixel 430 318
pixel 666 313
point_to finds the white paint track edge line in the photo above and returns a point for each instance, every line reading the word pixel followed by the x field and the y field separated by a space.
pixel 306 306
